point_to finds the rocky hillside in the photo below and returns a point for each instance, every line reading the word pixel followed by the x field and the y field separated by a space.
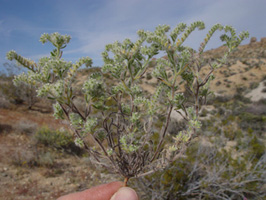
pixel 38 159
pixel 246 68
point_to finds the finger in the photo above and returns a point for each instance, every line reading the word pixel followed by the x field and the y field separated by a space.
pixel 101 192
pixel 125 193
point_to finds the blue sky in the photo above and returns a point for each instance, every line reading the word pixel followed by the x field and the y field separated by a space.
pixel 94 23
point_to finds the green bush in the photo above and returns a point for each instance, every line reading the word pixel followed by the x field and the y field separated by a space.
pixel 257 147
pixel 59 139
pixel 56 138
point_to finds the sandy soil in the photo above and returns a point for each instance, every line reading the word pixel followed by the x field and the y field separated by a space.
pixel 19 180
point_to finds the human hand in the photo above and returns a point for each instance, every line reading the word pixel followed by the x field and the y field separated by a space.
pixel 109 191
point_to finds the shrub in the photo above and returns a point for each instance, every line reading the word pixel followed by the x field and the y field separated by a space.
pixel 262 101
pixel 207 173
pixel 55 138
pixel 257 148
pixel 25 127
pixel 148 76
pixel 45 159
pixel 218 83
pixel 244 78
pixel 17 95
pixel 24 158
pixel 258 108
pixel 4 103
pixel 249 120
pixel 253 85
pixel 59 139
pixel 176 126
pixel 222 99
pixel 124 130
pixel 5 128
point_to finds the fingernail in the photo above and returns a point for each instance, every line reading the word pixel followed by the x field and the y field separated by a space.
pixel 125 193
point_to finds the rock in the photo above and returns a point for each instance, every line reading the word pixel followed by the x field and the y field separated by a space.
pixel 263 41
pixel 253 40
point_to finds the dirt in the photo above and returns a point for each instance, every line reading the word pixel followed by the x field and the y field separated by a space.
pixel 21 180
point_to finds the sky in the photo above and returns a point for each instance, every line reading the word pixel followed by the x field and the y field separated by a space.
pixel 94 23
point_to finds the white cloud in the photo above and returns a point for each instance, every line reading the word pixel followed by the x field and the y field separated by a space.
pixel 118 19
pixel 93 24
pixel 115 20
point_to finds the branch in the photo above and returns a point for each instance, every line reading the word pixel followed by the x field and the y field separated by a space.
pixel 163 135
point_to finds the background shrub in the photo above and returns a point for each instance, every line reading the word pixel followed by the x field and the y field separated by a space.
pixel 207 173
pixel 5 128
pixel 59 139
pixel 25 127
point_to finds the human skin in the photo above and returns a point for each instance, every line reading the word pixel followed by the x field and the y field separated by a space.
pixel 114 190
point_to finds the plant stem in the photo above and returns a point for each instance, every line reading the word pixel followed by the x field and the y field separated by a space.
pixel 125 181
pixel 163 135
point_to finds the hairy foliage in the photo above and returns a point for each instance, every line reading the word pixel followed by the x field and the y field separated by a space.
pixel 122 135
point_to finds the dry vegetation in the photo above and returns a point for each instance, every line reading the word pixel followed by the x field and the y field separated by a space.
pixel 38 162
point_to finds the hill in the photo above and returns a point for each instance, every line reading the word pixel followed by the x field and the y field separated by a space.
pixel 38 159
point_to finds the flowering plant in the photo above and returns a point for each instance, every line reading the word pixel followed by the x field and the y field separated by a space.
pixel 119 124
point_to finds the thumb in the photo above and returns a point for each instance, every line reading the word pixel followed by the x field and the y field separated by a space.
pixel 125 193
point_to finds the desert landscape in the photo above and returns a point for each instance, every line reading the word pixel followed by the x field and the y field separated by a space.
pixel 39 160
